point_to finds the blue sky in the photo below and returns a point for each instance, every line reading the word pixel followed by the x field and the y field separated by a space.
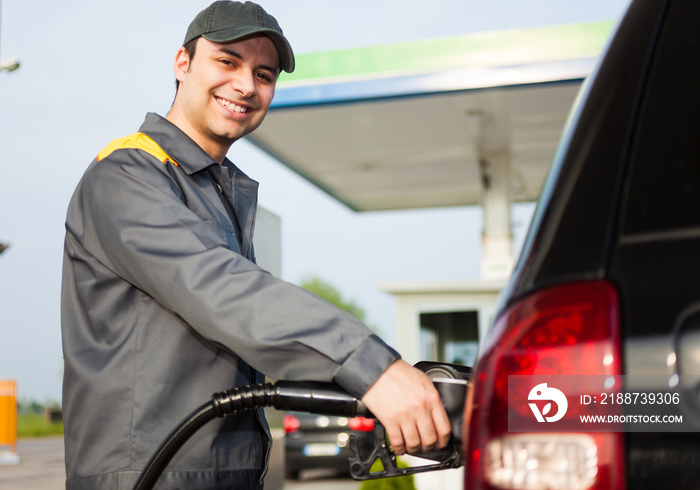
pixel 91 69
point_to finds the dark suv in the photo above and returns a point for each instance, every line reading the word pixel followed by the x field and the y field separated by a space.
pixel 608 281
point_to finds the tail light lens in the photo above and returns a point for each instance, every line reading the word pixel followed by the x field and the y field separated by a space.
pixel 361 424
pixel 290 424
pixel 565 330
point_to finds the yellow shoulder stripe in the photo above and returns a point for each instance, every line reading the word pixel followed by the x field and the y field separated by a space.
pixel 139 141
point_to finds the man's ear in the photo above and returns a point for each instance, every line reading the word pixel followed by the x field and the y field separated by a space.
pixel 182 64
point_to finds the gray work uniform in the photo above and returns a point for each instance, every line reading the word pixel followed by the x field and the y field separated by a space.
pixel 163 305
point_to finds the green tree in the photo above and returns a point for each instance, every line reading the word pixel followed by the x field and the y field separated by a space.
pixel 331 294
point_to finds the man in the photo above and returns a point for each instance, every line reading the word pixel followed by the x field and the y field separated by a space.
pixel 163 305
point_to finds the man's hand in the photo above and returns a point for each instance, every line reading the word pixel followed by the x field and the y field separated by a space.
pixel 407 404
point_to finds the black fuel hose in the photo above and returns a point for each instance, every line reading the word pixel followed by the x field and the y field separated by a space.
pixel 312 397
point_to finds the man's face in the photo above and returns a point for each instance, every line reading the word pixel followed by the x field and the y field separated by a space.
pixel 225 90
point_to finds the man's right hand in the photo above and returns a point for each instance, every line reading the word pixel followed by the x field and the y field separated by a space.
pixel 407 404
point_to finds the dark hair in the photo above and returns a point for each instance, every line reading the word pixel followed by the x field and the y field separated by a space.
pixel 190 47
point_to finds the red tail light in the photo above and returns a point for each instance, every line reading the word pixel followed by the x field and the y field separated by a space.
pixel 361 423
pixel 290 423
pixel 565 330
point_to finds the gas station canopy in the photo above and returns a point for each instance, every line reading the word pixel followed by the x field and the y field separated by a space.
pixel 414 125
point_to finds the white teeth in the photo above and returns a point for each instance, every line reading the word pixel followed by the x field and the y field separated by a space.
pixel 231 107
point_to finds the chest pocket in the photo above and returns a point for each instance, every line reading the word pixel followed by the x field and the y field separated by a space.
pixel 226 232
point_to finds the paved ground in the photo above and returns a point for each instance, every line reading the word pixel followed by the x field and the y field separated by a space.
pixel 42 468
pixel 321 480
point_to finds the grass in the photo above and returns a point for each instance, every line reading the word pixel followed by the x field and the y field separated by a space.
pixel 35 425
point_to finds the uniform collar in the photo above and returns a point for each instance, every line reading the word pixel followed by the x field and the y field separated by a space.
pixel 177 144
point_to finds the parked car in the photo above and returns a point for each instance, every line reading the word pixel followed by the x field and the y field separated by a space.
pixel 608 281
pixel 319 441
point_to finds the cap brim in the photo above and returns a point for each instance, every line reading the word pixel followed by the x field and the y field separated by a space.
pixel 284 49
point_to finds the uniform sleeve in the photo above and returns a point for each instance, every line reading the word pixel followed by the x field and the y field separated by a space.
pixel 129 213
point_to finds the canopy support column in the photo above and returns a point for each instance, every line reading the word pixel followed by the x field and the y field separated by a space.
pixel 497 237
pixel 493 147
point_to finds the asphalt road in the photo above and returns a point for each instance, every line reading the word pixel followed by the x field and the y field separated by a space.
pixel 41 467
pixel 321 480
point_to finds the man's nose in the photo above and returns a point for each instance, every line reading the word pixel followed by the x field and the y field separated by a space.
pixel 244 83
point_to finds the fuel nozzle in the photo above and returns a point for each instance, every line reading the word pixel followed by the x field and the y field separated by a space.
pixel 451 382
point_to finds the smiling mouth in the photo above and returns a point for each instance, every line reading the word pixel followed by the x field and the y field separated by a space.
pixel 231 106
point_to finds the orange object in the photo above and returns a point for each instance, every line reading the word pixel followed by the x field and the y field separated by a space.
pixel 8 414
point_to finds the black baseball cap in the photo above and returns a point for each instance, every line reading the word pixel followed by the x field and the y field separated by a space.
pixel 226 21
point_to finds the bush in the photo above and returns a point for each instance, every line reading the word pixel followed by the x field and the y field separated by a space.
pixel 393 483
pixel 35 425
